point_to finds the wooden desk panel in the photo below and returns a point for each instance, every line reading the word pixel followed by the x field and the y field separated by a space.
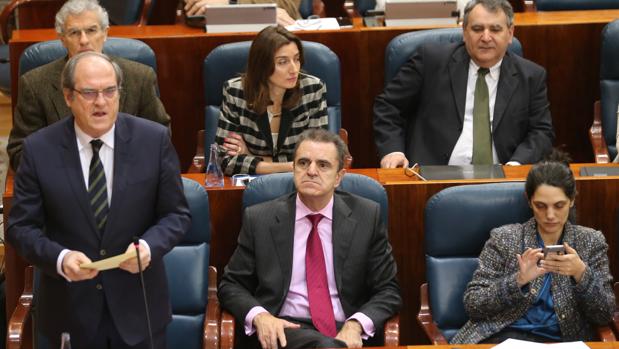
pixel 566 43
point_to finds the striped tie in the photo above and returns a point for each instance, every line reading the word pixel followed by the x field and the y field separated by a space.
pixel 97 186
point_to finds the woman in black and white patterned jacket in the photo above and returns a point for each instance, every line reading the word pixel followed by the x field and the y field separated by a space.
pixel 516 292
pixel 264 111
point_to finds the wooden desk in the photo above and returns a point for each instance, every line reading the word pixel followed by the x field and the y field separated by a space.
pixel 566 43
pixel 596 204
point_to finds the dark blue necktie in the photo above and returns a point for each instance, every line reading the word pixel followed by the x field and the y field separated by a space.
pixel 97 186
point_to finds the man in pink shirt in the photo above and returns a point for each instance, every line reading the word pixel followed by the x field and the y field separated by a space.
pixel 314 268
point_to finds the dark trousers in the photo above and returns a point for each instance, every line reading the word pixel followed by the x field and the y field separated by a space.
pixel 507 333
pixel 107 337
pixel 300 338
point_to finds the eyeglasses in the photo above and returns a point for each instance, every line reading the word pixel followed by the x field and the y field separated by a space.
pixel 414 171
pixel 76 33
pixel 91 95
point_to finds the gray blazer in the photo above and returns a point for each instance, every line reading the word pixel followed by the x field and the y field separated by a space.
pixel 40 101
pixel 493 300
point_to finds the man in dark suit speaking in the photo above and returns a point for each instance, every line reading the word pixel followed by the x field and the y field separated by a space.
pixel 87 186
pixel 313 269
pixel 467 103
pixel 81 25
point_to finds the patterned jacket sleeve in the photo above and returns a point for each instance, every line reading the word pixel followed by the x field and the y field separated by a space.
pixel 229 122
pixel 594 293
pixel 493 288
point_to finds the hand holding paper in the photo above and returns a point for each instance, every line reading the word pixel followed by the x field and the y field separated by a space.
pixel 72 266
pixel 110 263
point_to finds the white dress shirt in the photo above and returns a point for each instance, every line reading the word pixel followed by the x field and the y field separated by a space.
pixel 462 153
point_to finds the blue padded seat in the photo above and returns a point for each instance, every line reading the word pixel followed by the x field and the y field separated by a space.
pixel 458 221
pixel 269 187
pixel 401 48
pixel 187 272
pixel 609 84
pixel 564 5
pixel 229 60
pixel 47 51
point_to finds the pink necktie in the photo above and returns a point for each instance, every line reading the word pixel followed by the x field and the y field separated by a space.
pixel 320 305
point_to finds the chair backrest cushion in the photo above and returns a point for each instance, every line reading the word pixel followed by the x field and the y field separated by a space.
pixel 609 84
pixel 124 12
pixel 565 5
pixel 187 272
pixel 458 221
pixel 230 60
pixel 47 51
pixel 269 187
pixel 401 48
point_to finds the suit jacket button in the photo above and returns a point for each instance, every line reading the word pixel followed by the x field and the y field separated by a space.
pixel 102 253
pixel 99 287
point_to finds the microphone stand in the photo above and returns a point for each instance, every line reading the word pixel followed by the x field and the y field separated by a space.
pixel 136 243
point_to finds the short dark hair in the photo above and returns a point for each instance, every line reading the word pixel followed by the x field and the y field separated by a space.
pixel 261 65
pixel 554 171
pixel 321 135
pixel 68 73
pixel 492 6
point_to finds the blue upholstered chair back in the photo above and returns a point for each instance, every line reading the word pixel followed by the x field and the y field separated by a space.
pixel 401 48
pixel 269 187
pixel 44 52
pixel 124 12
pixel 458 221
pixel 565 5
pixel 5 70
pixel 229 60
pixel 306 7
pixel 187 271
pixel 609 84
pixel 362 6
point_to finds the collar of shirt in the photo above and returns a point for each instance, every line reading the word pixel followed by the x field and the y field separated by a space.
pixel 495 70
pixel 303 210
pixel 83 139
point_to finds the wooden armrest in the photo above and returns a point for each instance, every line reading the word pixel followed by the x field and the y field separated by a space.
pixel 596 136
pixel 425 319
pixel 213 313
pixel 392 331
pixel 21 315
pixel 348 159
pixel 5 17
pixel 605 334
pixel 227 330
pixel 198 165
pixel 144 14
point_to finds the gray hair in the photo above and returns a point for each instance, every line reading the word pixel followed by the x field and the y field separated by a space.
pixel 321 135
pixel 491 6
pixel 77 7
pixel 68 73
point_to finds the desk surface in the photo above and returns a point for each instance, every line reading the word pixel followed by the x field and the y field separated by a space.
pixel 572 85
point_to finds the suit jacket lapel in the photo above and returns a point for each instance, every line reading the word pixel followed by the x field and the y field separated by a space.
pixel 343 232
pixel 75 177
pixel 284 127
pixel 508 83
pixel 458 74
pixel 265 128
pixel 282 233
pixel 122 161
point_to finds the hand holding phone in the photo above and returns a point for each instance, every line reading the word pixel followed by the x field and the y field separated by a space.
pixel 557 249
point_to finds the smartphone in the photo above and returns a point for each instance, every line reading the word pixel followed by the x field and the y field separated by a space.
pixel 344 22
pixel 558 249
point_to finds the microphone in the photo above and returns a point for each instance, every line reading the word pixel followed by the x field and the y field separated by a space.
pixel 136 244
